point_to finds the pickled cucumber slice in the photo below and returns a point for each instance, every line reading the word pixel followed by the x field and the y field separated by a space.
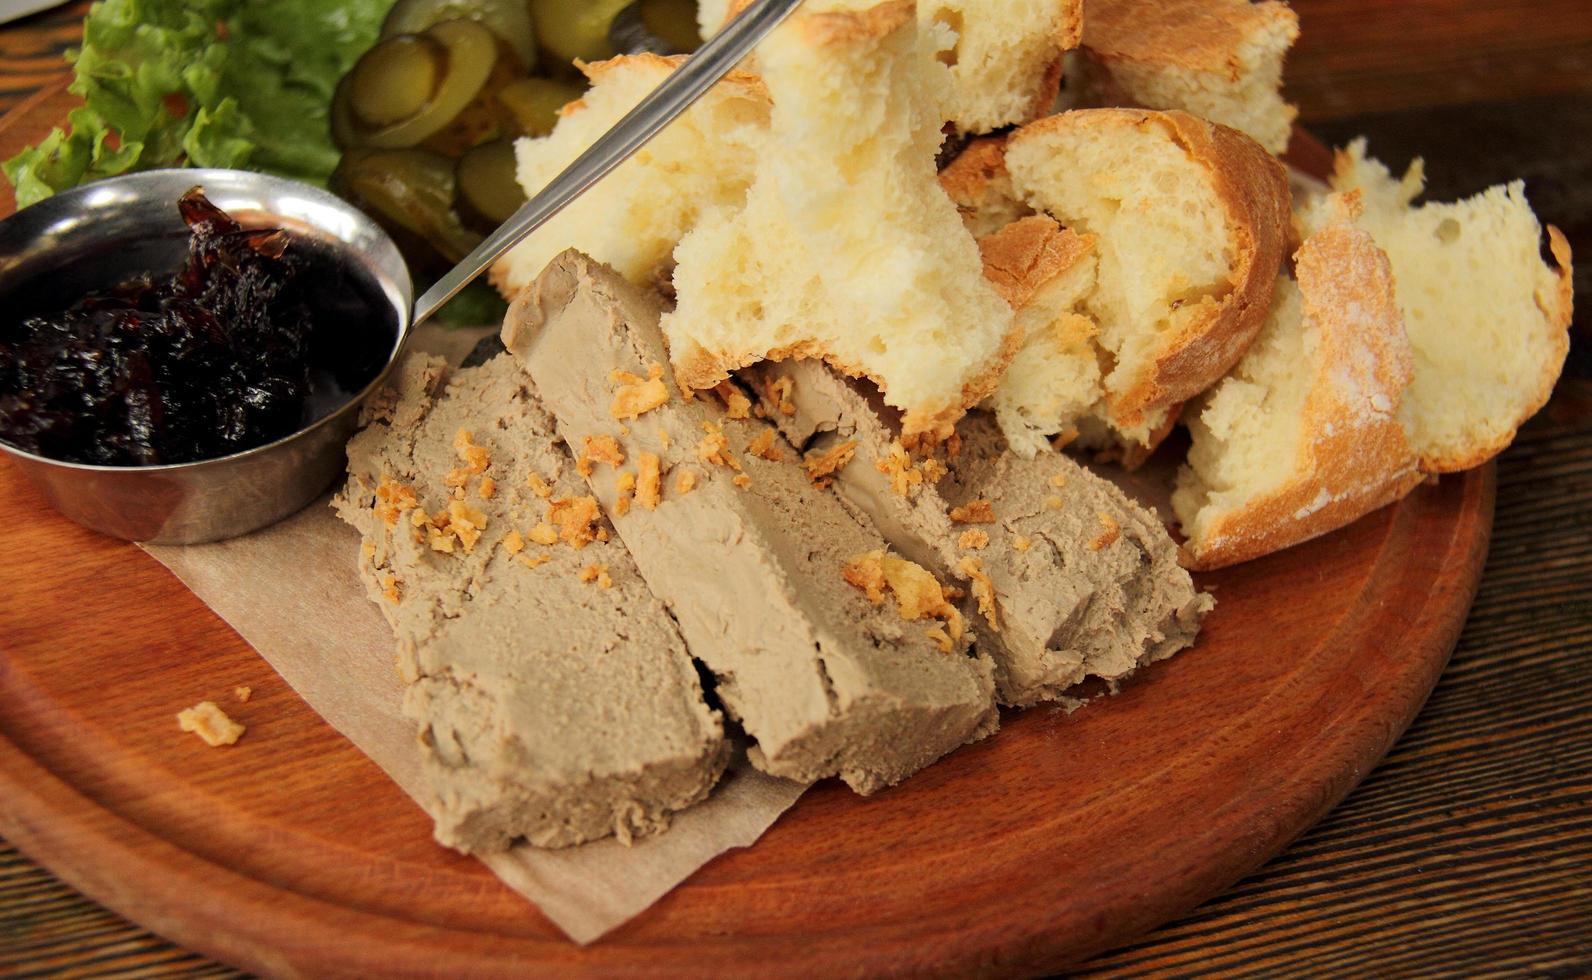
pixel 510 20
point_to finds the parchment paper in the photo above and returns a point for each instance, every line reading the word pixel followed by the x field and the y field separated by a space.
pixel 293 593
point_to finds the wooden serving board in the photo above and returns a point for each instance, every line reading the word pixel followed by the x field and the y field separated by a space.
pixel 1062 836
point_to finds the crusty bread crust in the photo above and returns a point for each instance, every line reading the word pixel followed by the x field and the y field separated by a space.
pixel 1189 34
pixel 976 173
pixel 978 183
pixel 1169 51
pixel 1252 187
pixel 1072 28
pixel 1557 313
pixel 1353 454
pixel 1028 253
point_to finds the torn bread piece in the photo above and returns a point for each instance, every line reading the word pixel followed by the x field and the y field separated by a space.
pixel 846 249
pixel 1082 582
pixel 1191 222
pixel 1046 273
pixel 977 181
pixel 1004 58
pixel 703 159
pixel 1221 60
pixel 210 723
pixel 1487 318
pixel 550 709
pixel 1304 436
pixel 751 559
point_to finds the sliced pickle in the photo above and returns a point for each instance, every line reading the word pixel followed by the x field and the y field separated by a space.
pixel 510 20
pixel 532 104
pixel 658 26
pixel 472 59
pixel 488 191
pixel 395 80
pixel 410 193
pixel 570 30
pixel 479 122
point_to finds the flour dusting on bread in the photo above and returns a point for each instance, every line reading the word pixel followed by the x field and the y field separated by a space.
pixel 1304 436
pixel 1488 318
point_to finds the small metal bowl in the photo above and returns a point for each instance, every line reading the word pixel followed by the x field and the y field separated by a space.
pixel 99 234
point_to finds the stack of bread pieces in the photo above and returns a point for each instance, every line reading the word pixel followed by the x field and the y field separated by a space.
pixel 775 448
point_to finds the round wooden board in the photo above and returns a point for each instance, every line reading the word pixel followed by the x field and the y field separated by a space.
pixel 1060 837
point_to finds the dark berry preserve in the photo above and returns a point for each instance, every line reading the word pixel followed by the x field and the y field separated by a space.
pixel 260 332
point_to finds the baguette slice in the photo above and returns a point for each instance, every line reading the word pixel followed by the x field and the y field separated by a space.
pixel 1304 436
pixel 749 555
pixel 635 218
pixel 1220 60
pixel 846 249
pixel 1488 319
pixel 548 708
pixel 1191 222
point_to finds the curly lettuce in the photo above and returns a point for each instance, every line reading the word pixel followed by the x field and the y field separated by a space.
pixel 206 83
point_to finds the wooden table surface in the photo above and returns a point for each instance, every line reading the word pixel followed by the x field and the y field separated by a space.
pixel 1469 850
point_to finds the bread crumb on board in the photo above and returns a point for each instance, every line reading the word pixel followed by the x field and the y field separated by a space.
pixel 242 693
pixel 210 723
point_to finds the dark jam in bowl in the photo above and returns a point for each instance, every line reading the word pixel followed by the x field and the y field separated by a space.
pixel 259 333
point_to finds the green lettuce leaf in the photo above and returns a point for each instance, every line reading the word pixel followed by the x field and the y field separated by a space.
pixel 213 83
